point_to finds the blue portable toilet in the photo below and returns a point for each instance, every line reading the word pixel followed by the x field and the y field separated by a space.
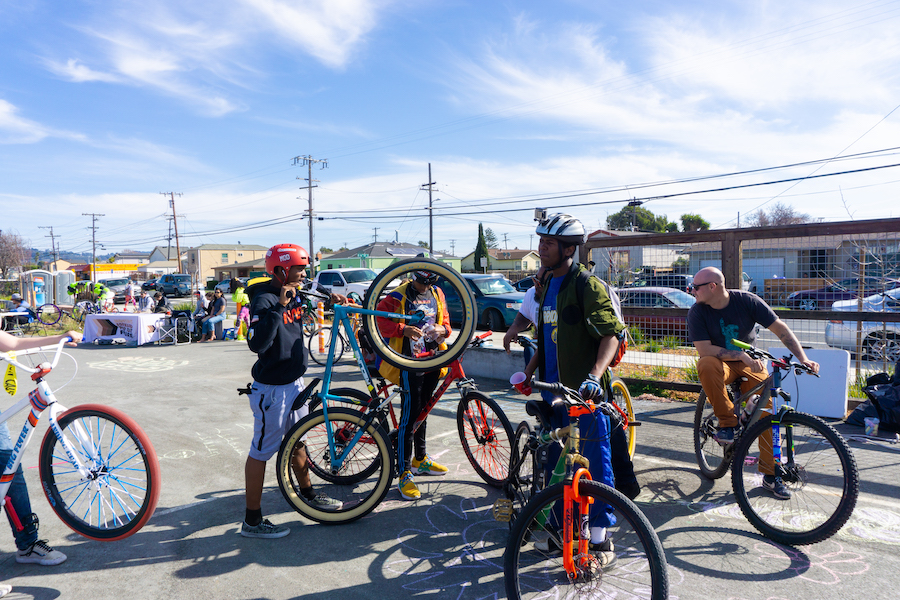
pixel 36 286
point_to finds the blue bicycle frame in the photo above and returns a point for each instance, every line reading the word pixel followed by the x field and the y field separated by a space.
pixel 342 319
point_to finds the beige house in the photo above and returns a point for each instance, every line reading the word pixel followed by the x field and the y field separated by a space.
pixel 203 262
pixel 504 260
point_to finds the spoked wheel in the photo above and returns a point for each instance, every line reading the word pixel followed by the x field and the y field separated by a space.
pixel 524 471
pixel 351 399
pixel 622 398
pixel 818 473
pixel 486 436
pixel 48 314
pixel 319 351
pixel 712 458
pixel 639 569
pixel 358 485
pixel 883 346
pixel 81 310
pixel 119 492
pixel 451 278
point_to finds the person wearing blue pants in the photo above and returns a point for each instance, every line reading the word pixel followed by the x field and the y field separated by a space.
pixel 577 340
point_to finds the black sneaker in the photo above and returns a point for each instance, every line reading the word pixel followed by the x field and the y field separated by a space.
pixel 776 486
pixel 725 435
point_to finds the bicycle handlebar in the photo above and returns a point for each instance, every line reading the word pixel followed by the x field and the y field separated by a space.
pixel 571 397
pixel 4 356
pixel 784 362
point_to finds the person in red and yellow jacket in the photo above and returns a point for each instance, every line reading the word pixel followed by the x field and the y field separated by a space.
pixel 411 338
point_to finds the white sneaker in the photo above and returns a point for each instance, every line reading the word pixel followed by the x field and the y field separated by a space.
pixel 40 553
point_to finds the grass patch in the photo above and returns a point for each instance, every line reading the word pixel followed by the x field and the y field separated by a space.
pixel 637 336
pixel 690 372
pixel 671 342
pixel 653 346
pixel 857 385
pixel 659 372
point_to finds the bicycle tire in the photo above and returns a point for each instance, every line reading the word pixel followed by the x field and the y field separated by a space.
pixel 124 457
pixel 309 322
pixel 823 480
pixel 522 482
pixel 358 497
pixel 641 564
pixel 486 436
pixel 80 310
pixel 455 348
pixel 321 358
pixel 357 401
pixel 712 458
pixel 622 398
pixel 48 314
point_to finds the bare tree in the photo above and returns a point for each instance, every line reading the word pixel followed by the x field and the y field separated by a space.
pixel 13 252
pixel 778 214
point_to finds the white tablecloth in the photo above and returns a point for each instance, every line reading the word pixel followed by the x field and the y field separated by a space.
pixel 140 328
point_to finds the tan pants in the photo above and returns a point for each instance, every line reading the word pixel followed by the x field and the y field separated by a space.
pixel 715 374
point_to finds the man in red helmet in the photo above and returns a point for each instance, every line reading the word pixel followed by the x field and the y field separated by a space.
pixel 276 336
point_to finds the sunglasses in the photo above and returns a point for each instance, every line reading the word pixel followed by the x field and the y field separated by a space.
pixel 697 286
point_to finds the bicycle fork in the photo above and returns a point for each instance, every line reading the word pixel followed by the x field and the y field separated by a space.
pixel 579 571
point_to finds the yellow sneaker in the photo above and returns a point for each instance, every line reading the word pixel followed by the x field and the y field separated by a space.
pixel 408 489
pixel 426 466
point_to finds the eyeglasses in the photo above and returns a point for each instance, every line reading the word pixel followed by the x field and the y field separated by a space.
pixel 696 286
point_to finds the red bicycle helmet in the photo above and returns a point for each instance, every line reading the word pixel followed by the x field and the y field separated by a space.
pixel 285 256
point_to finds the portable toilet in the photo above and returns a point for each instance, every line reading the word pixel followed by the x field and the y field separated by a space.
pixel 36 286
pixel 61 281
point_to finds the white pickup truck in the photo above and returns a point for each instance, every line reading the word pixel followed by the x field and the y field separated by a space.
pixel 347 281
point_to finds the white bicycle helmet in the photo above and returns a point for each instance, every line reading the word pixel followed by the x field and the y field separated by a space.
pixel 565 228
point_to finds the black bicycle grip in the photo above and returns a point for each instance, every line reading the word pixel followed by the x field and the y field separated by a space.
pixel 554 388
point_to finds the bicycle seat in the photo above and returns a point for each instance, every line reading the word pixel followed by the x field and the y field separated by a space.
pixel 303 397
pixel 539 410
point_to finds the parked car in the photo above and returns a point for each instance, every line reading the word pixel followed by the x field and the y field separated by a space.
pixel 679 282
pixel 225 285
pixel 349 281
pixel 174 284
pixel 118 286
pixel 657 297
pixel 844 289
pixel 150 284
pixel 880 341
pixel 524 284
pixel 497 301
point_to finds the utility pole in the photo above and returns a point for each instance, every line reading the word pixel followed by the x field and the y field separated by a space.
pixel 171 196
pixel 52 244
pixel 376 234
pixel 505 242
pixel 453 247
pixel 530 238
pixel 94 217
pixel 309 161
pixel 430 184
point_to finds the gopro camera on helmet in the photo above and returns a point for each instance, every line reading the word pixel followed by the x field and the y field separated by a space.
pixel 540 214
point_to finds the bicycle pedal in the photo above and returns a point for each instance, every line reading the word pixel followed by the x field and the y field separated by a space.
pixel 502 510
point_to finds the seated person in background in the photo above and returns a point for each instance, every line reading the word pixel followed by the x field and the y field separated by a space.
pixel 162 303
pixel 216 315
pixel 200 307
pixel 20 305
pixel 145 302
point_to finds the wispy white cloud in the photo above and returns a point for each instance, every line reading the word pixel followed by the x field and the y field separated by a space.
pixel 205 52
pixel 74 70
pixel 758 87
pixel 15 129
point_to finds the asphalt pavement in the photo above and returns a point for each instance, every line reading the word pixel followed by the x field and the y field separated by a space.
pixel 445 545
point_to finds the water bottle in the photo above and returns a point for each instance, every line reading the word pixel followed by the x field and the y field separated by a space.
pixel 749 408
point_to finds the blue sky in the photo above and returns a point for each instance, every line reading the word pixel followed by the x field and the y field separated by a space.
pixel 576 105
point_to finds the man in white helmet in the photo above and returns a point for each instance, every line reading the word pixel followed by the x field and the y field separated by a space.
pixel 577 340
